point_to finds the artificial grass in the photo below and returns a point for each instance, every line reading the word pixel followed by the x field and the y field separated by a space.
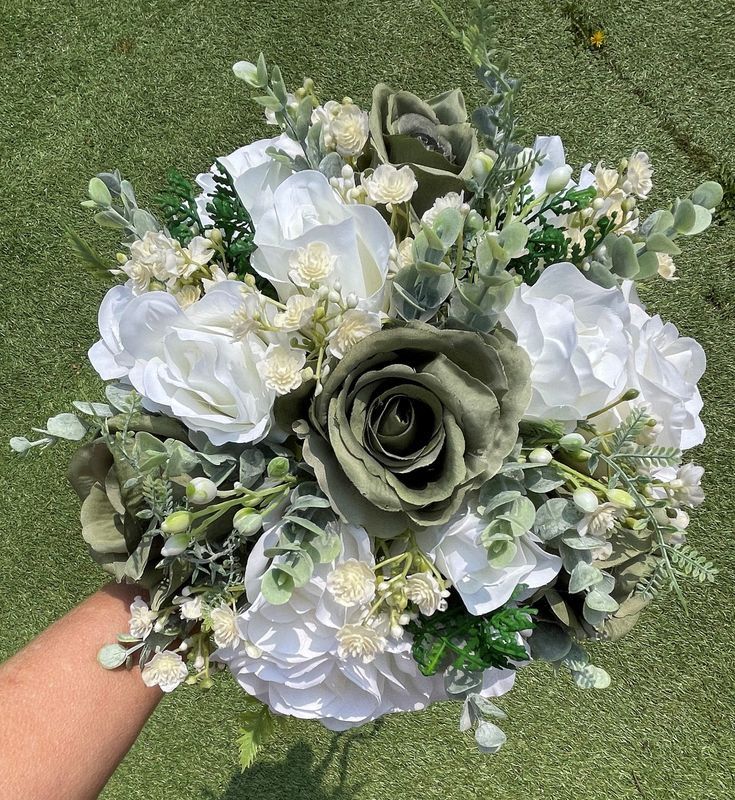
pixel 145 85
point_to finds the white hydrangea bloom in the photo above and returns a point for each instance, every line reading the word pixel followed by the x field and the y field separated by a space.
pixel 142 619
pixel 301 672
pixel 281 368
pixel 355 325
pixel 423 589
pixel 166 670
pixel 352 583
pixel 389 185
pixel 224 626
pixel 665 368
pixel 462 559
pixel 638 175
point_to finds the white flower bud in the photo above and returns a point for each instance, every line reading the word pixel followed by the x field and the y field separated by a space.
pixel 178 522
pixel 247 522
pixel 621 498
pixel 540 455
pixel 559 179
pixel 200 491
pixel 175 545
pixel 482 164
pixel 586 500
pixel 572 441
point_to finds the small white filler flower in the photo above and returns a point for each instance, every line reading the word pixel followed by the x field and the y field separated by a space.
pixel 361 642
pixel 166 670
pixel 389 185
pixel 142 619
pixel 352 583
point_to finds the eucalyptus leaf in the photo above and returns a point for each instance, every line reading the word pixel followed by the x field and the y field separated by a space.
pixel 277 586
pixel 489 737
pixel 584 576
pixel 66 426
pixel 112 656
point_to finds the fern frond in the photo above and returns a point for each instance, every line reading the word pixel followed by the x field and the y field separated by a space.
pixel 653 456
pixel 628 430
pixel 689 563
pixel 656 582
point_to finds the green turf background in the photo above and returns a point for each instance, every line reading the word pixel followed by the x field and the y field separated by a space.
pixel 144 85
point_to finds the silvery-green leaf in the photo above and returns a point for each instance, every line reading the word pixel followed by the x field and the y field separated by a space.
pixel 489 737
pixel 93 409
pixel 660 243
pixel 460 683
pixel 685 216
pixel 624 260
pixel 99 192
pixel 708 195
pixel 485 707
pixel 583 542
pixel 702 221
pixel 647 265
pixel 549 642
pixel 555 517
pixel 144 222
pixel 110 219
pixel 20 444
pixel 112 656
pixel 591 677
pixel 514 237
pixel 593 617
pixel 277 586
pixel 576 658
pixel 467 718
pixel 331 165
pixel 607 584
pixel 583 577
pixel 448 226
pixel 66 426
pixel 598 601
pixel 541 480
pixel 120 398
pixel 252 466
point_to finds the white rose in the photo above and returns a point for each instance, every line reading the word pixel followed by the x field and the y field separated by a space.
pixel 186 363
pixel 462 558
pixel 306 219
pixel 665 368
pixel 254 173
pixel 345 127
pixel 575 334
pixel 300 671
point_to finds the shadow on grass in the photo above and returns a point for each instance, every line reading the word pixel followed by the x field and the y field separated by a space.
pixel 300 775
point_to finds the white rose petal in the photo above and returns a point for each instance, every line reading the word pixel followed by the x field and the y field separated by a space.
pixel 575 333
pixel 305 210
pixel 462 558
pixel 186 362
pixel 254 173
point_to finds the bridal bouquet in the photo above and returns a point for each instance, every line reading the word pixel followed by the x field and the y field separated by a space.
pixel 385 419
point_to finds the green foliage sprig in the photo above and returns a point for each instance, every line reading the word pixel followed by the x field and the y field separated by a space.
pixel 178 205
pixel 467 642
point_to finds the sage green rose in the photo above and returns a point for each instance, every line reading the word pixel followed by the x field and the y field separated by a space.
pixel 412 419
pixel 433 137
pixel 99 475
